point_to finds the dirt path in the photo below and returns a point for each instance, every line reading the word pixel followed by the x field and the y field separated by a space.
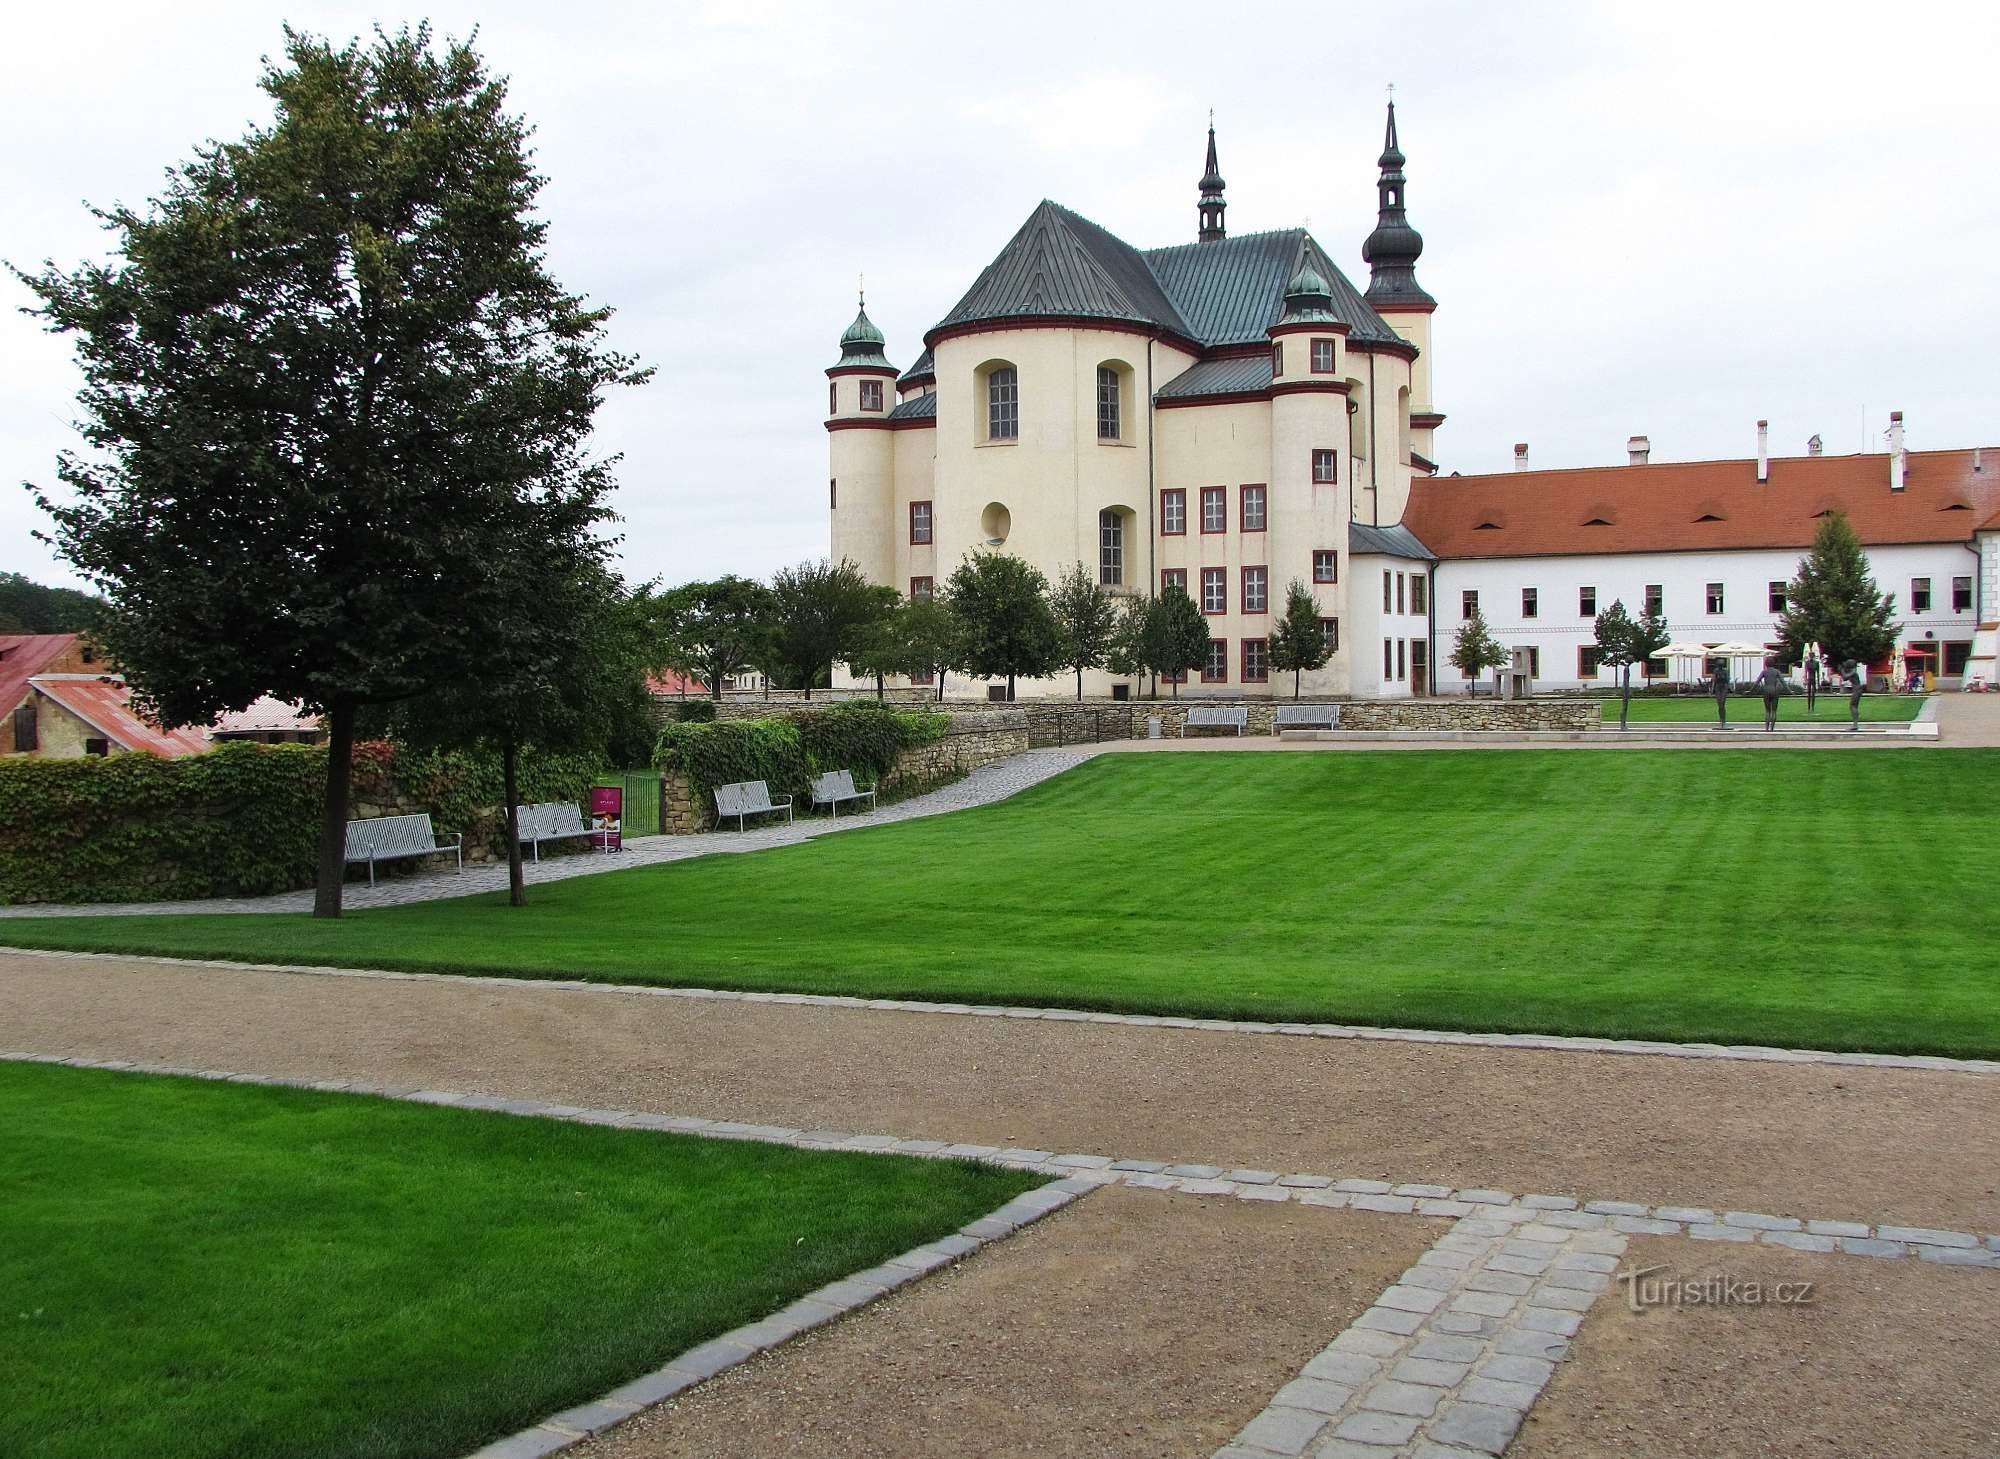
pixel 1904 1146
pixel 1128 1325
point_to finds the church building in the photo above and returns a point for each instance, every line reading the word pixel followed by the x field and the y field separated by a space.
pixel 1229 414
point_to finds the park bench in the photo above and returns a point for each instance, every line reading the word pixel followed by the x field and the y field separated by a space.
pixel 836 786
pixel 554 820
pixel 1307 716
pixel 396 838
pixel 1216 716
pixel 748 798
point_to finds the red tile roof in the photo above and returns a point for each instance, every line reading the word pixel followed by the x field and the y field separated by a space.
pixel 24 655
pixel 105 704
pixel 672 681
pixel 1692 505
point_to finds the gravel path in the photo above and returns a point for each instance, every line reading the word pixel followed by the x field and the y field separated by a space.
pixel 1127 1325
pixel 1878 1145
pixel 983 786
pixel 1892 1358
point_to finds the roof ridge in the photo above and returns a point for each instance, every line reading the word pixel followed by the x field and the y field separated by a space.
pixel 1622 466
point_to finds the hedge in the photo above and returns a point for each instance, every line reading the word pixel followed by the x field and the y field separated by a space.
pixel 240 820
pixel 786 752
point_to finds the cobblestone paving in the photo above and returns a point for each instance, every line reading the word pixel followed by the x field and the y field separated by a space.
pixel 983 786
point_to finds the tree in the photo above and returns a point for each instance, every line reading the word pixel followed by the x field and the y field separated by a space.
pixel 1833 601
pixel 1475 650
pixel 820 613
pixel 561 679
pixel 1086 616
pixel 1003 604
pixel 1136 640
pixel 1182 636
pixel 719 628
pixel 1299 642
pixel 329 382
pixel 1623 641
pixel 30 607
pixel 933 637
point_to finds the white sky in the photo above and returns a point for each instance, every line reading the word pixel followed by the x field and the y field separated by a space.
pixel 1668 220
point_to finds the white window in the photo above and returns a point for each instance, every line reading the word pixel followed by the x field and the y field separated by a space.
pixel 1173 512
pixel 1107 403
pixel 871 394
pixel 1214 590
pixel 1214 509
pixel 1256 590
pixel 1531 602
pixel 1326 565
pixel 1253 508
pixel 1322 356
pixel 1323 467
pixel 1715 597
pixel 1003 404
pixel 1111 548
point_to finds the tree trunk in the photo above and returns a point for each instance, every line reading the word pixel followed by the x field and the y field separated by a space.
pixel 940 679
pixel 333 823
pixel 1079 683
pixel 1010 688
pixel 1297 675
pixel 880 693
pixel 517 882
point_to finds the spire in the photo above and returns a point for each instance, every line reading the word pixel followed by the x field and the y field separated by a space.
pixel 862 342
pixel 1393 248
pixel 1212 204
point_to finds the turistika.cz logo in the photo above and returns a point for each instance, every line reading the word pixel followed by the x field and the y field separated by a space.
pixel 1646 1288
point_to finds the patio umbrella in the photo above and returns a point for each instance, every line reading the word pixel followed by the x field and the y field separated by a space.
pixel 1679 653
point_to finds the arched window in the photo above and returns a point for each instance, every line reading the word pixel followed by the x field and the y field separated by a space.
pixel 1003 404
pixel 1111 547
pixel 1109 387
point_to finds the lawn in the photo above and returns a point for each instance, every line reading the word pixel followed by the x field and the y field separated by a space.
pixel 1749 710
pixel 1818 898
pixel 193 1270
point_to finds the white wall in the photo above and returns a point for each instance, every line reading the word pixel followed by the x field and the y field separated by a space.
pixel 1559 629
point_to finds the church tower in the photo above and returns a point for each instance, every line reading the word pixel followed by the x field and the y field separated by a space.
pixel 1212 205
pixel 1391 252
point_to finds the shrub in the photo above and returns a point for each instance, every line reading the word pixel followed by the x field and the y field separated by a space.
pixel 787 752
pixel 695 711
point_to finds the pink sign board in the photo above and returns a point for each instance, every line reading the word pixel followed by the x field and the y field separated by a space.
pixel 607 812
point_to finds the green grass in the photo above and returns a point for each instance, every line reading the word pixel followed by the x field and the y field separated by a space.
pixel 193 1270
pixel 1831 709
pixel 1820 898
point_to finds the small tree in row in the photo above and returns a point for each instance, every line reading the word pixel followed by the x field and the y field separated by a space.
pixel 1834 602
pixel 1086 618
pixel 1623 641
pixel 1299 643
pixel 1009 631
pixel 1476 650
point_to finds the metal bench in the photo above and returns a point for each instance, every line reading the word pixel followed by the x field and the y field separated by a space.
pixel 396 838
pixel 836 786
pixel 1306 716
pixel 1216 716
pixel 554 820
pixel 748 798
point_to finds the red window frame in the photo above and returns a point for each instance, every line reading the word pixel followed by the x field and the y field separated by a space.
pixel 1264 582
pixel 1331 460
pixel 1216 670
pixel 1219 496
pixel 1317 367
pixel 929 528
pixel 1243 499
pixel 1220 577
pixel 1177 495
pixel 1259 672
pixel 1332 556
pixel 1173 577
pixel 1419 593
pixel 922 589
pixel 871 390
pixel 833 397
pixel 1329 633
pixel 1277 359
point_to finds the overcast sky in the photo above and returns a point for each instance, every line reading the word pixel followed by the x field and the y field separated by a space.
pixel 1669 220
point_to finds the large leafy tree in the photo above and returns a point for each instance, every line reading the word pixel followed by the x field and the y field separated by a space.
pixel 1833 601
pixel 569 677
pixel 1299 643
pixel 822 612
pixel 1009 631
pixel 932 636
pixel 329 383
pixel 1086 617
pixel 1476 650
pixel 719 629
pixel 1623 641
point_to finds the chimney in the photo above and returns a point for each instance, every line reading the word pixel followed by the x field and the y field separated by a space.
pixel 1638 450
pixel 1814 446
pixel 1763 450
pixel 1520 455
pixel 1899 464
pixel 1975 460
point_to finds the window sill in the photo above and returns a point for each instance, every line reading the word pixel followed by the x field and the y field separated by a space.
pixel 983 445
pixel 1121 445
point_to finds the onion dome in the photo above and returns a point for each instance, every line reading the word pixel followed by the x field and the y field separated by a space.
pixel 1393 248
pixel 862 343
pixel 1308 297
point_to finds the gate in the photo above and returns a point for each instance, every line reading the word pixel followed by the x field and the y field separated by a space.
pixel 642 800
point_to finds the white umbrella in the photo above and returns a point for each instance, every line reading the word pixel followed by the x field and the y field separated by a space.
pixel 1684 651
pixel 1735 650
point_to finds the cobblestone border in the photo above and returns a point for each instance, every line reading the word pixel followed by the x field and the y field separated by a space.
pixel 1553 1043
pixel 1631 1218
pixel 1452 1355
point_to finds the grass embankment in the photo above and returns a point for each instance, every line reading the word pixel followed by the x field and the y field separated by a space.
pixel 1828 899
pixel 195 1270
pixel 1830 710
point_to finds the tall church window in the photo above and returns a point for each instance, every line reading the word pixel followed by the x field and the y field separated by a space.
pixel 1107 403
pixel 1003 404
pixel 1111 547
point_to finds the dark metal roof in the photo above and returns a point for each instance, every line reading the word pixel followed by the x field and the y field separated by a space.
pixel 917 407
pixel 1062 264
pixel 1232 290
pixel 924 369
pixel 1396 541
pixel 1225 376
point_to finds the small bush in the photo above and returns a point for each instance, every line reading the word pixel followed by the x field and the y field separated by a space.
pixel 695 711
pixel 786 752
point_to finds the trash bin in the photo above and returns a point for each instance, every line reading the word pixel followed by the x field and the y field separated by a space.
pixel 1152 726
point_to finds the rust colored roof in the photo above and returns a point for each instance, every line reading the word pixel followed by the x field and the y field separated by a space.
pixel 673 681
pixel 24 655
pixel 1690 506
pixel 105 704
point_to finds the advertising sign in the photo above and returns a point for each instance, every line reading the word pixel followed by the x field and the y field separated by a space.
pixel 607 817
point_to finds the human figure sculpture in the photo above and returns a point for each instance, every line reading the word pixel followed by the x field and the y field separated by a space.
pixel 1856 682
pixel 1770 684
pixel 1719 683
pixel 1812 681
